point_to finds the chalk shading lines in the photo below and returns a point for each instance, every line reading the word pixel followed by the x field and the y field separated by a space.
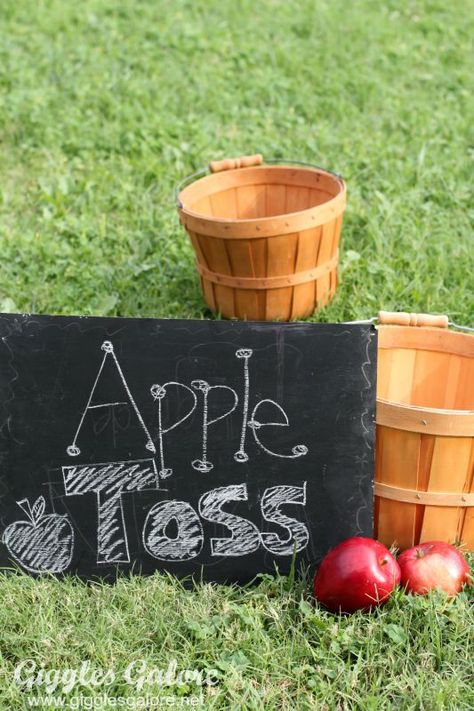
pixel 43 543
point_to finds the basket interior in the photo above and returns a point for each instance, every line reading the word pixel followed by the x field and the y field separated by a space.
pixel 426 378
pixel 255 193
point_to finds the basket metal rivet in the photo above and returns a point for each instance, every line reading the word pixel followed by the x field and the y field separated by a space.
pixel 424 422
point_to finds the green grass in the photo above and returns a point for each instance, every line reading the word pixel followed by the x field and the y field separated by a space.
pixel 104 107
pixel 266 647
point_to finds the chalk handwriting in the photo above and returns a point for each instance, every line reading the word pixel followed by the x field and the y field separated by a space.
pixel 298 534
pixel 245 354
pixel 110 482
pixel 203 464
pixel 206 391
pixel 298 450
pixel 73 449
pixel 159 393
pixel 245 536
pixel 188 541
pixel 173 529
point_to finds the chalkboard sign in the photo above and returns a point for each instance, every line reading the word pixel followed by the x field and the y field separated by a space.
pixel 206 448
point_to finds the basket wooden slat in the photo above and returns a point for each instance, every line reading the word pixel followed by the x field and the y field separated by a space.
pixel 468 519
pixel 306 257
pixel 450 454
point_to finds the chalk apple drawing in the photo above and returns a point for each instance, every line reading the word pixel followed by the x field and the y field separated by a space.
pixel 43 543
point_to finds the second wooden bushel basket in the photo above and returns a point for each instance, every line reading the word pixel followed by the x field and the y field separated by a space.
pixel 266 237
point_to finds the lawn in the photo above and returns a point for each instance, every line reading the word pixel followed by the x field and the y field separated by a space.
pixel 104 107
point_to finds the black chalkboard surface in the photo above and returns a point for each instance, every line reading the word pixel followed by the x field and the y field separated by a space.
pixel 217 449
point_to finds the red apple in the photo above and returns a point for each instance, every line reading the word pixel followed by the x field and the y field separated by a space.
pixel 433 564
pixel 357 574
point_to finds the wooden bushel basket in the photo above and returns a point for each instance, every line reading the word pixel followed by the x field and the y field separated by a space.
pixel 424 463
pixel 266 237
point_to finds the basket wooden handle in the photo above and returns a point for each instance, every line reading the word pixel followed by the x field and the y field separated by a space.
pixel 216 166
pixel 426 498
pixel 401 318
